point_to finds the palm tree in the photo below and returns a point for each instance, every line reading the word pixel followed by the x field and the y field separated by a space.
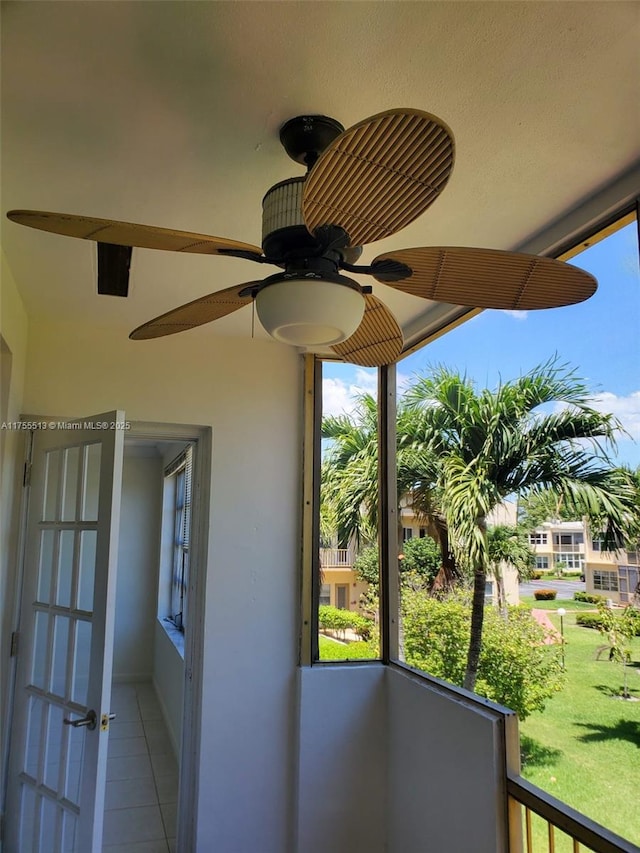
pixel 492 444
pixel 349 483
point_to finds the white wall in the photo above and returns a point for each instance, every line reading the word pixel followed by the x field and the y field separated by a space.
pixel 250 391
pixel 137 587
pixel 343 760
pixel 13 329
pixel 445 768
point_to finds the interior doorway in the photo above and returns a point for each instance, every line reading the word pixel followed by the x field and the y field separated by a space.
pixel 148 684
pixel 143 778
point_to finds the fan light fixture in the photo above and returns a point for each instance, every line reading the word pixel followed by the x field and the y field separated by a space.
pixel 308 309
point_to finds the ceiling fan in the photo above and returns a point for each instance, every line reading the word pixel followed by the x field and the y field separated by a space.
pixel 361 185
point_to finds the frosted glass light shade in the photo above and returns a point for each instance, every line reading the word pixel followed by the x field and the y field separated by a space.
pixel 310 312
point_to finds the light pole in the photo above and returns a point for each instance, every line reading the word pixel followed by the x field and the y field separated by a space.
pixel 561 613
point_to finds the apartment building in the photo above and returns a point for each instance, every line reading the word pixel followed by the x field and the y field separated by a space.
pixel 569 546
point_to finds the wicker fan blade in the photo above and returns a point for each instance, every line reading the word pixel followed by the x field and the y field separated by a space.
pixel 379 175
pixel 127 233
pixel 376 341
pixel 195 313
pixel 489 278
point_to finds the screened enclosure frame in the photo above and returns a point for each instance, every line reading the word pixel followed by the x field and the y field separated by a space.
pixel 576 239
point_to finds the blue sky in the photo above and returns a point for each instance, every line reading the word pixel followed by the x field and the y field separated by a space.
pixel 600 338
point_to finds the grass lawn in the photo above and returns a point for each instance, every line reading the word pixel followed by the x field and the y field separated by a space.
pixel 569 604
pixel 584 748
pixel 333 650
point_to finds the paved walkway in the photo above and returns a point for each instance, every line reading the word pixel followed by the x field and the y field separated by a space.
pixel 542 617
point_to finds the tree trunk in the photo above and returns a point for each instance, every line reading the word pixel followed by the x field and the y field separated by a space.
pixel 449 574
pixel 501 595
pixel 477 619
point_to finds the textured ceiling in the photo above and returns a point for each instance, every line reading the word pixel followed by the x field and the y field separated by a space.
pixel 167 113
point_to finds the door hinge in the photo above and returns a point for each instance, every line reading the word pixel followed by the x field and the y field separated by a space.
pixel 15 639
pixel 26 478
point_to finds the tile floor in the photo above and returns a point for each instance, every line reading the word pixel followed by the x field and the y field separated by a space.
pixel 142 775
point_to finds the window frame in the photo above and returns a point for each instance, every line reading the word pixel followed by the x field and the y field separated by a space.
pixel 178 491
pixel 613 580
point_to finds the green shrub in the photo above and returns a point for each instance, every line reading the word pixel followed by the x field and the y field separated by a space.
pixel 589 620
pixel 595 620
pixel 517 668
pixel 588 597
pixel 334 619
pixel 545 594
pixel 536 575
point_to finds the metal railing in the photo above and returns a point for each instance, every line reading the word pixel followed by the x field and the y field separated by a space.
pixel 539 823
pixel 336 558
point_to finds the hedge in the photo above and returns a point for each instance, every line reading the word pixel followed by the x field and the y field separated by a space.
pixel 335 619
pixel 588 597
pixel 545 594
pixel 594 620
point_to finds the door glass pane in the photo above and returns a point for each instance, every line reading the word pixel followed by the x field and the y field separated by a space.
pixel 81 660
pixel 45 569
pixel 34 736
pixel 65 568
pixel 54 748
pixel 40 647
pixel 75 755
pixel 58 683
pixel 70 483
pixel 69 833
pixel 87 569
pixel 27 818
pixel 49 826
pixel 91 484
pixel 52 481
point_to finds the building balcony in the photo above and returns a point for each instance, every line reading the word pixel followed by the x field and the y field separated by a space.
pixel 568 549
pixel 336 558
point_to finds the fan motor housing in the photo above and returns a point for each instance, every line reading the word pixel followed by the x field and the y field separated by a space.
pixel 283 230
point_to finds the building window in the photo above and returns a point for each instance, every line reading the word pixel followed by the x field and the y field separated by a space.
pixel 542 563
pixel 178 477
pixel 605 581
pixel 407 533
pixel 325 594
pixel 570 561
pixel 422 532
pixel 537 538
pixel 568 539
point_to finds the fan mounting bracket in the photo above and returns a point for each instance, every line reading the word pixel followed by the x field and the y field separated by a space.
pixel 304 138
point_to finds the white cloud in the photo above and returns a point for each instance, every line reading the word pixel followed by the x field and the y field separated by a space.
pixel 339 396
pixel 517 315
pixel 626 409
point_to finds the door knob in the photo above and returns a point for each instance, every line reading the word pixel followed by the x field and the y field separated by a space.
pixel 90 721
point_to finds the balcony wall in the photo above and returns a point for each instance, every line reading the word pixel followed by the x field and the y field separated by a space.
pixel 446 776
pixel 389 761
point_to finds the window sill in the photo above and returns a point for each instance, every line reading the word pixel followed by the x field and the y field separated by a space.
pixel 174 634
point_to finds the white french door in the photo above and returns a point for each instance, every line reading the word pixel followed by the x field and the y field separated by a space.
pixel 61 711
